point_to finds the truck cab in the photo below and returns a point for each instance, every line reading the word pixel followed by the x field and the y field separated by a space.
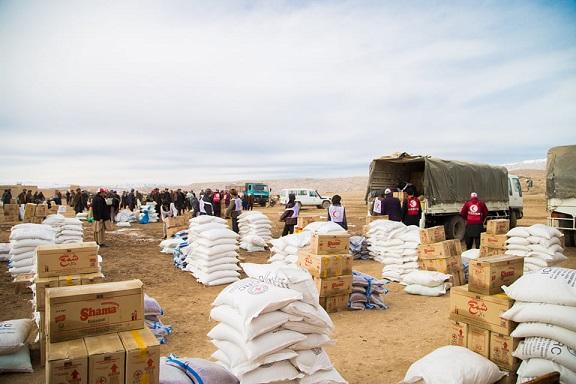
pixel 260 191
pixel 515 200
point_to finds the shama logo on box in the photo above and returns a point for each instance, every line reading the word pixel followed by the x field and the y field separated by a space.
pixel 106 308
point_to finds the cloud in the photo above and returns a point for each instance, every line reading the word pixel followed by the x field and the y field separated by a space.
pixel 109 92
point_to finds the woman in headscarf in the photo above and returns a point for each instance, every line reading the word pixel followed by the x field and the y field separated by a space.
pixel 290 215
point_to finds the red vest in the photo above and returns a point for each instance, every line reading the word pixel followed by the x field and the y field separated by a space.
pixel 474 213
pixel 413 206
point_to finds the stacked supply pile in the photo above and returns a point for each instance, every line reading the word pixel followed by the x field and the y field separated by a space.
pixel 24 239
pixel 212 255
pixel 539 244
pixel 476 311
pixel 545 309
pixel 427 283
pixel 329 263
pixel 304 220
pixel 367 292
pixel 396 246
pixel 255 231
pixel 4 251
pixel 150 208
pixel 285 249
pixel 62 266
pixel 40 213
pixel 268 334
pixel 440 255
pixel 359 248
pixel 14 348
pixel 11 213
pixel 70 231
pixel 152 314
pixel 96 334
pixel 126 216
pixel 493 241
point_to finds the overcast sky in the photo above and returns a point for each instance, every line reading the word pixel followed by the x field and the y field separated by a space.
pixel 97 92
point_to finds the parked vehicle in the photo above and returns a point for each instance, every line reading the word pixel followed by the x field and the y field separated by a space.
pixel 444 186
pixel 561 190
pixel 306 197
pixel 260 191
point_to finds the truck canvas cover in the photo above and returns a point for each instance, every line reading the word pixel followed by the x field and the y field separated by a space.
pixel 445 181
pixel 561 172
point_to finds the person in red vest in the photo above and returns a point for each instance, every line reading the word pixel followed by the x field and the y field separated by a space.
pixel 474 212
pixel 411 210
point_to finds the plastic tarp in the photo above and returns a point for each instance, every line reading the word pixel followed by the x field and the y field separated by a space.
pixel 561 172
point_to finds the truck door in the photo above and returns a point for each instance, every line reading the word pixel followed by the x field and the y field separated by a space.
pixel 515 192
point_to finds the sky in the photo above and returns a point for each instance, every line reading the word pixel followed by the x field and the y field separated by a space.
pixel 127 92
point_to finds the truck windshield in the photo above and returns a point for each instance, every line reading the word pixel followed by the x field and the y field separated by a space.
pixel 260 187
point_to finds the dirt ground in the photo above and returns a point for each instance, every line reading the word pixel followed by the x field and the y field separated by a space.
pixel 371 346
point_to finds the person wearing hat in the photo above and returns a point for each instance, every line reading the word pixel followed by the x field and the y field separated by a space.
pixel 101 213
pixel 337 213
pixel 474 212
pixel 290 215
pixel 391 206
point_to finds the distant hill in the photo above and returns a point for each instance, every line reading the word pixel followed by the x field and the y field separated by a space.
pixel 538 164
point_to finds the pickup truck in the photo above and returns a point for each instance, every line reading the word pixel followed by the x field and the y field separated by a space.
pixel 305 197
pixel 445 185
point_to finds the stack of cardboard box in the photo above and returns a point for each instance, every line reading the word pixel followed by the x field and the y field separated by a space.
pixel 435 253
pixel 493 241
pixel 475 311
pixel 11 213
pixel 329 263
pixel 176 224
pixel 304 220
pixel 96 334
pixel 40 213
pixel 60 266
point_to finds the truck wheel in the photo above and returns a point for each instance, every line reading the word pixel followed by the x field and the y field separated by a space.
pixel 455 228
pixel 513 219
pixel 325 204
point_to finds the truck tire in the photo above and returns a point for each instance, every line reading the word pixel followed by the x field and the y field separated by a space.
pixel 325 204
pixel 455 227
pixel 513 219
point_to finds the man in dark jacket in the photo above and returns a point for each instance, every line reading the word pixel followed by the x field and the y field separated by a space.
pixel 131 200
pixel 474 212
pixel 206 204
pixel 391 206
pixel 22 197
pixel 179 202
pixel 101 213
pixel 7 196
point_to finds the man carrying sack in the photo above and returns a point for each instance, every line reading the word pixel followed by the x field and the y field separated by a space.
pixel 101 213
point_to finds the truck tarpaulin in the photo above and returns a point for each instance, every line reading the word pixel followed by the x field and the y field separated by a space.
pixel 561 172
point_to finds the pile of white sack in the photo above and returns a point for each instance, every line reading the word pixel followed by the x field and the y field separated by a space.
pixel 152 318
pixel 466 256
pixel 545 309
pixel 24 238
pixel 426 283
pixel 538 244
pixel 14 340
pixel 396 246
pixel 285 249
pixel 4 251
pixel 255 231
pixel 212 255
pixel 149 207
pixel 271 328
pixel 68 230
pixel 126 216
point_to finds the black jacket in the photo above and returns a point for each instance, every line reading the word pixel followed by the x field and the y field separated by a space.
pixel 100 210
pixel 391 207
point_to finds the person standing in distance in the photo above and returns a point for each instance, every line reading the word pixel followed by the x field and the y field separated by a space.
pixel 391 206
pixel 411 209
pixel 474 212
pixel 101 212
pixel 234 209
pixel 337 213
pixel 290 215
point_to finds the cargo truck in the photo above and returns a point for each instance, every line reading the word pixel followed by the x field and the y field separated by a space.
pixel 561 190
pixel 260 191
pixel 443 187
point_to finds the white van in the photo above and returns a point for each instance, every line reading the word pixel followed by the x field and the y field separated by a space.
pixel 305 197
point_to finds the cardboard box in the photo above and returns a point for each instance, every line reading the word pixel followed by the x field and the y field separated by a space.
pixel 303 221
pixel 501 348
pixel 177 221
pixel 489 252
pixel 142 356
pixel 481 310
pixel 444 248
pixel 458 333
pixel 329 244
pixel 67 259
pixel 370 218
pixel 325 265
pixel 11 218
pixel 447 265
pixel 69 213
pixel 41 284
pixel 458 277
pixel 479 340
pixel 498 226
pixel 106 359
pixel 29 211
pixel 11 210
pixel 488 275
pixel 67 362
pixel 334 286
pixel 69 280
pixel 335 303
pixel 493 241
pixel 96 309
pixel 432 235
pixel 41 210
pixel 92 278
pixel 37 220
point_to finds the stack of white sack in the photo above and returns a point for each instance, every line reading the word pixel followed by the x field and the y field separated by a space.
pixel 270 334
pixel 545 309
pixel 4 251
pixel 149 207
pixel 538 244
pixel 82 216
pixel 426 283
pixel 285 249
pixel 396 246
pixel 169 245
pixel 68 230
pixel 212 255
pixel 24 238
pixel 14 340
pixel 366 292
pixel 466 256
pixel 152 318
pixel 255 231
pixel 126 216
